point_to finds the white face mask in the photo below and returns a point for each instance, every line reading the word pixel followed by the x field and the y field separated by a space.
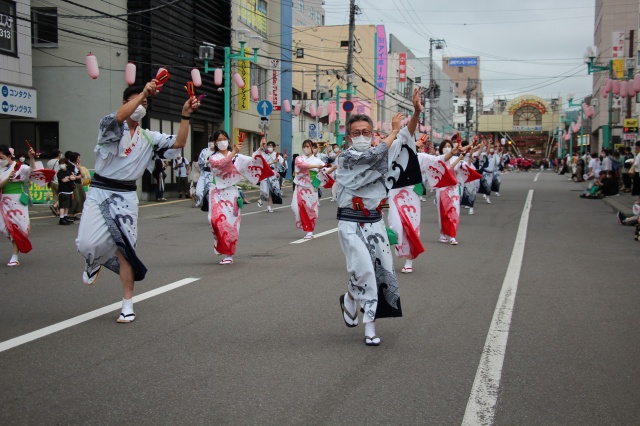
pixel 361 143
pixel 212 145
pixel 3 163
pixel 307 151
pixel 455 145
pixel 138 113
pixel 270 150
pixel 222 145
pixel 336 150
pixel 63 167
pixel 21 159
pixel 446 150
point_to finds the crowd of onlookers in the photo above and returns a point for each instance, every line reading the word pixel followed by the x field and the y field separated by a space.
pixel 607 174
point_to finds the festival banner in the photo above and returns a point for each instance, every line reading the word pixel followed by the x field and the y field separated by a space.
pixel 244 69
pixel 381 62
pixel 402 68
pixel 274 84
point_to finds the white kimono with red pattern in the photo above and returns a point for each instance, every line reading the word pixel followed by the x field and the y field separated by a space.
pixel 305 204
pixel 14 222
pixel 224 211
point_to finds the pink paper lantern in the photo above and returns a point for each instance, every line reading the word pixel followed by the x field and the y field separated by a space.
pixel 632 90
pixel 604 94
pixel 92 66
pixel 130 73
pixel 296 110
pixel 615 87
pixel 608 85
pixel 287 106
pixel 255 94
pixel 636 83
pixel 624 89
pixel 195 77
pixel 312 111
pixel 319 112
pixel 217 77
pixel 237 78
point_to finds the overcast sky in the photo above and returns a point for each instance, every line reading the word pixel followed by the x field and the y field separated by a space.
pixel 525 47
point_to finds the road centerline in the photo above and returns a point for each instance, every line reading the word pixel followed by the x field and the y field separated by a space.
pixel 481 407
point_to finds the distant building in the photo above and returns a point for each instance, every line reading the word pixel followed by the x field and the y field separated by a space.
pixel 308 13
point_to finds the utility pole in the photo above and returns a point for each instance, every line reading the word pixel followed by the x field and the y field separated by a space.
pixel 631 69
pixel 317 96
pixel 352 28
pixel 471 86
pixel 432 83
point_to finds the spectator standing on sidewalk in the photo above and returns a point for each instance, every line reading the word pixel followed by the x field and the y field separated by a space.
pixel 634 171
pixel 627 160
pixel 159 174
pixel 54 164
pixel 66 184
pixel 182 168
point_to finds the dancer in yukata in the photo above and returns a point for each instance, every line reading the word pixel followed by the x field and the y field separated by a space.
pixel 201 194
pixel 305 203
pixel 489 163
pixel 108 231
pixel 227 169
pixel 361 192
pixel 14 199
pixel 270 188
pixel 471 183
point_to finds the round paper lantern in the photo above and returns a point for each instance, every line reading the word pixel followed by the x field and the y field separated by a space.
pixel 592 111
pixel 217 77
pixel 615 87
pixel 255 94
pixel 92 66
pixel 422 129
pixel 195 77
pixel 296 110
pixel 130 73
pixel 604 94
pixel 319 112
pixel 312 111
pixel 624 89
pixel 237 78
pixel 287 106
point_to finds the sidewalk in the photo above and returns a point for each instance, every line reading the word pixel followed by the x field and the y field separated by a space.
pixel 619 203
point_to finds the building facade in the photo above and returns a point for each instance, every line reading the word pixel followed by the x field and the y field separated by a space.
pixel 308 13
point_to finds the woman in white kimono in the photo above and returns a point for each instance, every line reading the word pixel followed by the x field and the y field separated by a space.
pixel 227 169
pixel 470 186
pixel 305 197
pixel 448 200
pixel 200 198
pixel 270 188
pixel 14 200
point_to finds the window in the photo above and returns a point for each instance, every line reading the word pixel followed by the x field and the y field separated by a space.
pixel 461 109
pixel 457 85
pixel 44 28
pixel 44 137
pixel 259 78
pixel 301 5
pixel 318 17
pixel 527 116
pixel 460 69
pixel 311 12
pixel 8 28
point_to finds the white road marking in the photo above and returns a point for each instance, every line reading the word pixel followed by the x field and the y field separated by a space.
pixel 535 179
pixel 484 393
pixel 26 338
pixel 330 231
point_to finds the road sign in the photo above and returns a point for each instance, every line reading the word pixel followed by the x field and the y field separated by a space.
pixel 320 136
pixel 265 107
pixel 631 122
pixel 264 121
pixel 313 131
pixel 348 106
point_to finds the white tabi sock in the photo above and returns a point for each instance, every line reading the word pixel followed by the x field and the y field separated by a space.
pixel 349 304
pixel 14 258
pixel 127 306
pixel 408 263
pixel 370 329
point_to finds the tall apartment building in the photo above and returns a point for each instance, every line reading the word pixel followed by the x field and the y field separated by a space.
pixel 308 13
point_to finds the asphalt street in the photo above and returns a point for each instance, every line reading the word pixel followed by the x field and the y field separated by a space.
pixel 262 341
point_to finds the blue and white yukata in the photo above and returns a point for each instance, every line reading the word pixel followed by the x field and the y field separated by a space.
pixel 110 215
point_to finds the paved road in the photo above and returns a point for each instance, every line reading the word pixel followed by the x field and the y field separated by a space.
pixel 263 342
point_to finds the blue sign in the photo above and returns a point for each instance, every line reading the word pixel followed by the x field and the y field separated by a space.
pixel 313 131
pixel 265 108
pixel 463 62
pixel 5 91
pixel 348 106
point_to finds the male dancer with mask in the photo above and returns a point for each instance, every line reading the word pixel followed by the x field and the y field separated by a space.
pixel 360 180
pixel 109 227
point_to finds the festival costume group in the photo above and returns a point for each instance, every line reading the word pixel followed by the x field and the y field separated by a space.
pixel 366 177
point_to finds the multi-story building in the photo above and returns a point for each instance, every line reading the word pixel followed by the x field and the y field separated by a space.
pixel 308 13
pixel 467 89
pixel 70 103
pixel 615 36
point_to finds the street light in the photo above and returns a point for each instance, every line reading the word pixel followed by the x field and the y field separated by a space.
pixel 206 54
pixel 352 86
pixel 589 59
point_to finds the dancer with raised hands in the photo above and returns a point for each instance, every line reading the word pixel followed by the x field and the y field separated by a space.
pixel 305 204
pixel 14 199
pixel 108 231
pixel 227 169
